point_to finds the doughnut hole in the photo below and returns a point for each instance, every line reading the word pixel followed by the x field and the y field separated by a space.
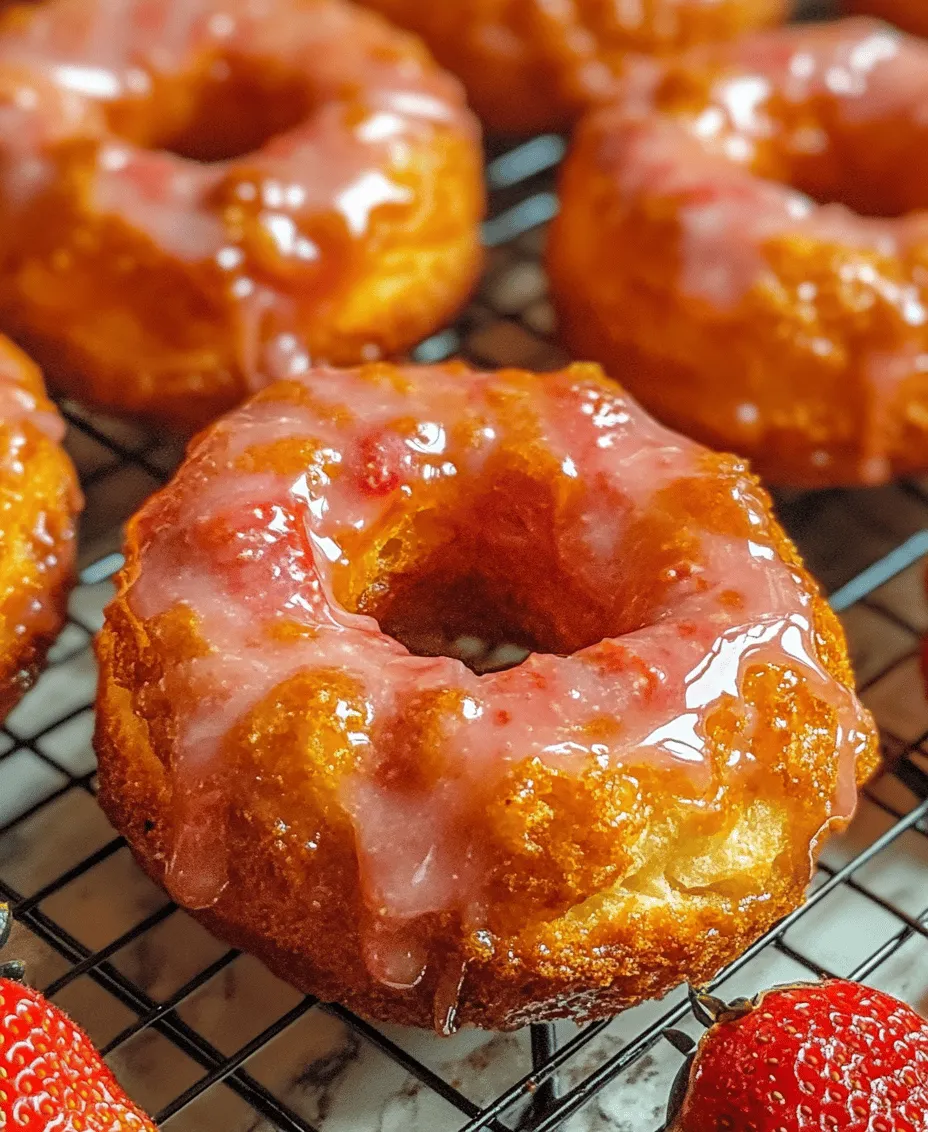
pixel 500 560
pixel 505 561
pixel 225 108
pixel 568 883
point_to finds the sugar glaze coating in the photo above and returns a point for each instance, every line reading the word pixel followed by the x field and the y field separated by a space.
pixel 668 613
pixel 230 187
pixel 532 65
pixel 40 500
pixel 794 332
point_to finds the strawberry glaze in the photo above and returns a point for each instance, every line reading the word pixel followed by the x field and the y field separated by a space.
pixel 40 499
pixel 96 67
pixel 141 106
pixel 264 560
pixel 767 104
pixel 775 185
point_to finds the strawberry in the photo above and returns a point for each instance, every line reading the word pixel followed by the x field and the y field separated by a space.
pixel 51 1077
pixel 825 1057
pixel 380 461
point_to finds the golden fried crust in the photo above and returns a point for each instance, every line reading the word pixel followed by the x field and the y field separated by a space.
pixel 530 66
pixel 159 268
pixel 301 912
pixel 815 418
pixel 606 885
pixel 734 307
pixel 39 498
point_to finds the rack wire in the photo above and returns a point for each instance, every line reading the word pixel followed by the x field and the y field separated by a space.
pixel 207 1039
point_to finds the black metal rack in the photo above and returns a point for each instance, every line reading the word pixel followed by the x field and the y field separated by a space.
pixel 509 321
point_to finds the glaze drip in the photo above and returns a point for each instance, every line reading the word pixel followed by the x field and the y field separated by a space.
pixel 258 162
pixel 307 515
pixel 770 193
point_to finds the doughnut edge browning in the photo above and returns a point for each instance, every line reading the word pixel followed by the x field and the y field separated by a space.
pixel 179 336
pixel 614 950
pixel 40 524
pixel 782 381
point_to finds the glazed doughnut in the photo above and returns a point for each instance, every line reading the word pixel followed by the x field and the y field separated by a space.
pixel 161 257
pixel 39 500
pixel 691 255
pixel 910 15
pixel 289 747
pixel 532 65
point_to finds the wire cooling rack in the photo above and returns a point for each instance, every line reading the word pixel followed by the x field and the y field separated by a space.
pixel 208 1040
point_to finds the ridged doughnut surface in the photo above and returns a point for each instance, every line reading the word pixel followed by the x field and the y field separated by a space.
pixel 531 65
pixel 39 502
pixel 697 254
pixel 288 747
pixel 197 195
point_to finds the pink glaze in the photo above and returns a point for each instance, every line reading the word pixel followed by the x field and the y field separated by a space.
pixel 693 132
pixel 861 69
pixel 727 215
pixel 855 71
pixel 380 442
pixel 33 613
pixel 97 69
pixel 19 403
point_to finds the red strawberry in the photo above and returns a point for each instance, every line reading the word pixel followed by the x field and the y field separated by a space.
pixel 51 1077
pixel 825 1057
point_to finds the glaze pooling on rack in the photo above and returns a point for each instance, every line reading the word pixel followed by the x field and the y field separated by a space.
pixel 322 505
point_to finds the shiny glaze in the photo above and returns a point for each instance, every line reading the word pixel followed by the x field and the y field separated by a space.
pixel 141 109
pixel 792 168
pixel 40 499
pixel 266 554
pixel 788 104
pixel 117 56
pixel 22 400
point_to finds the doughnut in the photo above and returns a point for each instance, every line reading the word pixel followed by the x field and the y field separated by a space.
pixel 697 254
pixel 293 745
pixel 39 501
pixel 198 196
pixel 911 15
pixel 533 65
